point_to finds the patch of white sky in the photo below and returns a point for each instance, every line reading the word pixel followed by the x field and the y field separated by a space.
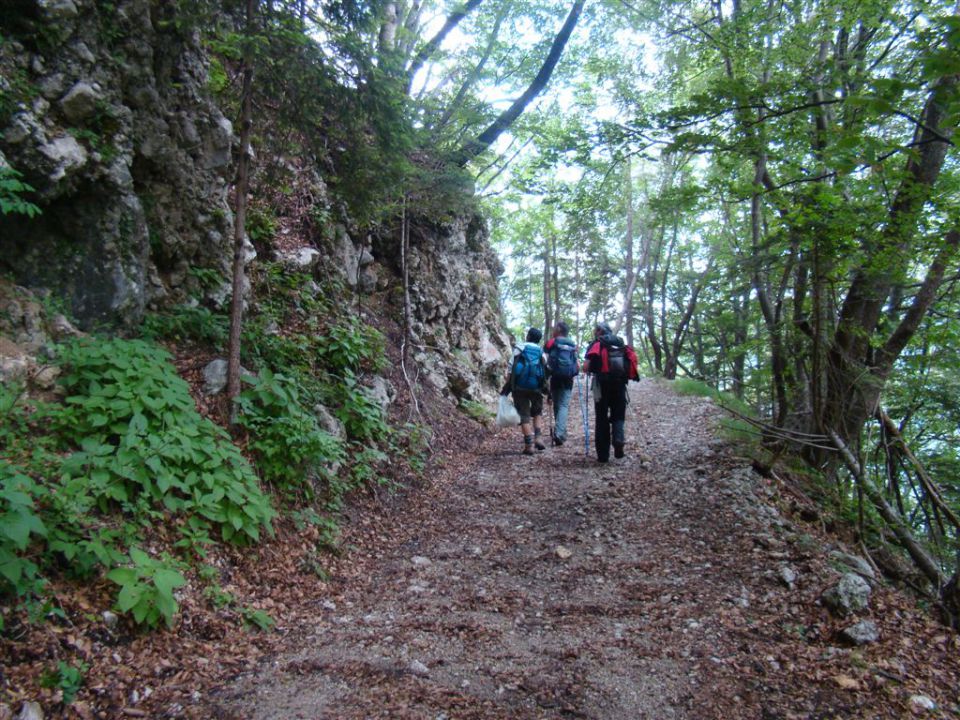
pixel 636 44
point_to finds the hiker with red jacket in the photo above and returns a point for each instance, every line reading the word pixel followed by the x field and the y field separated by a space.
pixel 561 354
pixel 528 383
pixel 612 364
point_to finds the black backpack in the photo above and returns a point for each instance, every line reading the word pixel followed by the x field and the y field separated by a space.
pixel 619 366
pixel 563 358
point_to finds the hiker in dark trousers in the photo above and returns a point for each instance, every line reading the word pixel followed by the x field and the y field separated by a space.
pixel 562 360
pixel 606 360
pixel 528 383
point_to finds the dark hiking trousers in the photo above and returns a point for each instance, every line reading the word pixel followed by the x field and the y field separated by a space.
pixel 611 412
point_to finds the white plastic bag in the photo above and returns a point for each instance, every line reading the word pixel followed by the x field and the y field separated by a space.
pixel 507 415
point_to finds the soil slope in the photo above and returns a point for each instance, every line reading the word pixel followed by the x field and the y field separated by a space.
pixel 554 586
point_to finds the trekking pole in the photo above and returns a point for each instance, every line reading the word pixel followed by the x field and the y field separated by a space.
pixel 583 416
pixel 586 419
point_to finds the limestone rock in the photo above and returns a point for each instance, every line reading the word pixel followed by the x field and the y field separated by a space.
pixel 921 704
pixel 59 9
pixel 30 711
pixel 215 376
pixel 382 392
pixel 857 564
pixel 66 155
pixel 418 668
pixel 788 576
pixel 14 361
pixel 62 329
pixel 850 595
pixel 300 260
pixel 328 422
pixel 861 633
pixel 80 102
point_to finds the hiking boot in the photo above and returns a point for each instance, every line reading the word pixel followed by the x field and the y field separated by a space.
pixel 558 441
pixel 539 445
pixel 528 449
pixel 603 460
pixel 618 451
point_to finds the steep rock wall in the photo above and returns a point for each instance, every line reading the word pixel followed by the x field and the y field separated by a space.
pixel 106 114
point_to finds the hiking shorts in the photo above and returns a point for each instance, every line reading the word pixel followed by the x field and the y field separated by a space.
pixel 529 404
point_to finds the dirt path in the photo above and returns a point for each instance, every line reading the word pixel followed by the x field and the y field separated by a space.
pixel 669 605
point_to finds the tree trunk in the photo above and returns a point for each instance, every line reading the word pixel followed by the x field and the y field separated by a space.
pixel 556 282
pixel 433 44
pixel 855 371
pixel 240 214
pixel 473 148
pixel 546 290
pixel 472 78
pixel 388 29
pixel 628 257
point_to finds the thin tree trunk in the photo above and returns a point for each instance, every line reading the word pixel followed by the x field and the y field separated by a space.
pixel 240 214
pixel 556 281
pixel 473 148
pixel 546 289
pixel 433 44
pixel 472 78
pixel 631 281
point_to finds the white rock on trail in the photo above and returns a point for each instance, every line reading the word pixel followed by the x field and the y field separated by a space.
pixel 563 553
pixel 788 576
pixel 418 668
pixel 850 595
pixel 862 633
pixel 420 560
pixel 855 563
pixel 921 703
pixel 30 711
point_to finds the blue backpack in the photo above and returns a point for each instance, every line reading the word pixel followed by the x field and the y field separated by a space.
pixel 563 358
pixel 528 370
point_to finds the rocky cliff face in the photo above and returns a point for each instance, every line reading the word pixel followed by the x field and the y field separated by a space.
pixel 107 112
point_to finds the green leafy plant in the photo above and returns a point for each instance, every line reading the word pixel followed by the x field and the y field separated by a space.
pixel 12 189
pixel 68 678
pixel 258 619
pixel 478 411
pixel 351 346
pixel 146 589
pixel 185 322
pixel 144 445
pixel 289 446
pixel 20 525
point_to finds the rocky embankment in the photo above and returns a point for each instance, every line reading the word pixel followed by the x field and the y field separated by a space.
pixel 109 113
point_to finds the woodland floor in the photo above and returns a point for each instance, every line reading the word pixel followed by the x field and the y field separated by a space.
pixel 464 602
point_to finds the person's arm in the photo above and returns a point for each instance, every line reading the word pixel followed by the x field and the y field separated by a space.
pixel 592 358
pixel 508 385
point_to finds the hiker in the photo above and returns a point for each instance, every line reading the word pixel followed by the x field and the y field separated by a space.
pixel 564 367
pixel 612 363
pixel 528 383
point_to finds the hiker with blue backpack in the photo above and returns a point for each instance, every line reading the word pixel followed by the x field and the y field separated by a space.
pixel 562 361
pixel 528 383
